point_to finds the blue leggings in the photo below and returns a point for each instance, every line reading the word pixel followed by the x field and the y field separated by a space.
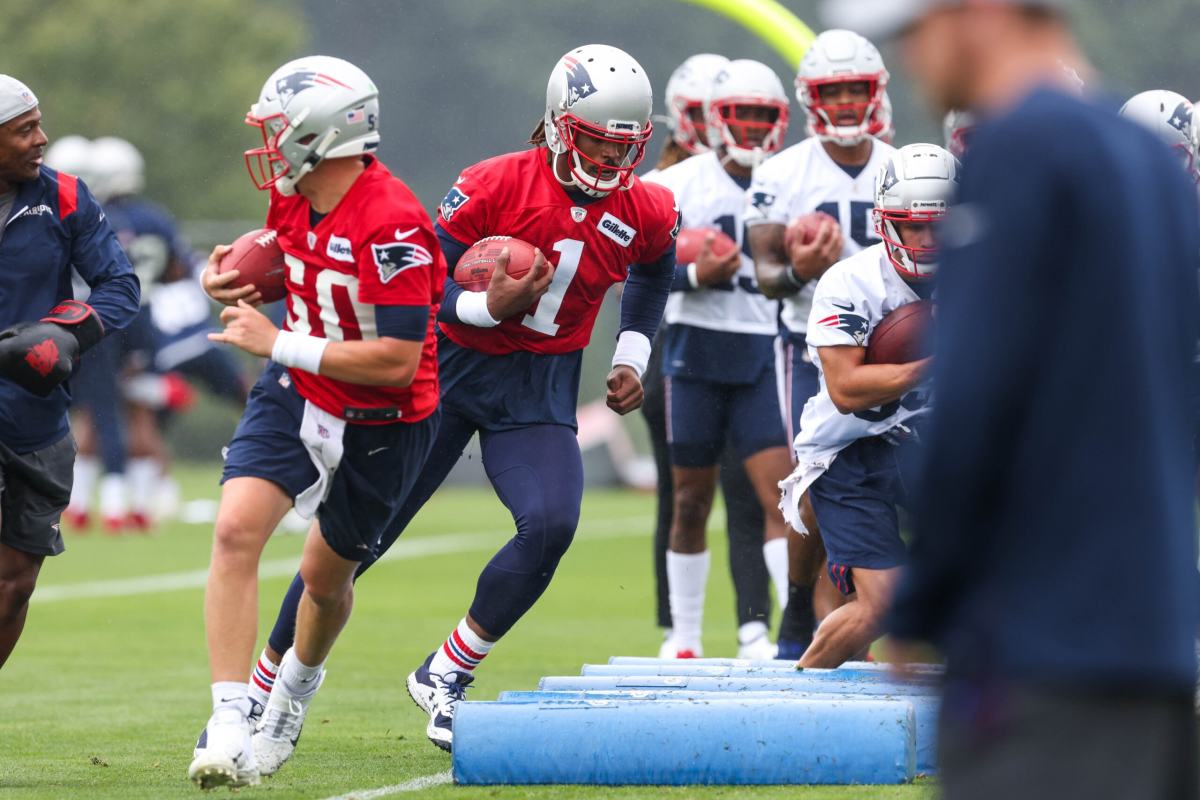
pixel 537 472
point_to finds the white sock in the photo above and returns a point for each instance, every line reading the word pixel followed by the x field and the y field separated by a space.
pixel 113 493
pixel 776 555
pixel 298 678
pixel 143 481
pixel 687 577
pixel 230 694
pixel 87 471
pixel 751 631
pixel 262 679
pixel 462 651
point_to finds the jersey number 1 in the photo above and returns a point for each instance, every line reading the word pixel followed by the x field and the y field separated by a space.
pixel 569 252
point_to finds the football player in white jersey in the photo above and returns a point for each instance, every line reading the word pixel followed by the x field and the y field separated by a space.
pixel 855 428
pixel 841 86
pixel 686 91
pixel 719 348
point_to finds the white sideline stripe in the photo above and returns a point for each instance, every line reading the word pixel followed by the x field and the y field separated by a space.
pixel 415 785
pixel 436 545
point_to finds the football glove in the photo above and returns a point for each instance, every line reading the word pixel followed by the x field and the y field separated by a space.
pixel 38 356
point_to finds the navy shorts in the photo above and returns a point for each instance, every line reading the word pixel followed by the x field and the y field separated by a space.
pixel 703 415
pixel 377 470
pixel 856 502
pixel 798 379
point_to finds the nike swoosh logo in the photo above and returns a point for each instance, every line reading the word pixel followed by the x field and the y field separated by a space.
pixel 376 450
pixel 229 699
pixel 842 307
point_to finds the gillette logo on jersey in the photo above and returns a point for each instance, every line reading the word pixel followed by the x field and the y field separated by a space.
pixel 377 247
pixel 579 83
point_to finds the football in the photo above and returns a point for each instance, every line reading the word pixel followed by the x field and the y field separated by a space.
pixel 474 270
pixel 804 229
pixel 259 260
pixel 690 242
pixel 903 335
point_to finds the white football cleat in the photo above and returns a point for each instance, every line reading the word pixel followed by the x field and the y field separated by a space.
pixel 760 648
pixel 438 696
pixel 277 734
pixel 674 648
pixel 224 756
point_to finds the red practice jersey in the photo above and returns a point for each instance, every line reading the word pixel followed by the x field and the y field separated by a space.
pixel 590 245
pixel 377 247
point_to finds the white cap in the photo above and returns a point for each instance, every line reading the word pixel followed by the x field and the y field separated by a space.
pixel 15 99
pixel 883 19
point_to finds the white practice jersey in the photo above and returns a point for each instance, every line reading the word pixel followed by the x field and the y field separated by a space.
pixel 803 179
pixel 709 198
pixel 850 300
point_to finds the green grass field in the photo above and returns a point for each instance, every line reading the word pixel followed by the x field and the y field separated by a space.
pixel 107 689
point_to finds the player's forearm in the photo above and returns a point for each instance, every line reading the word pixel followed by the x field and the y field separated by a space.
pixel 776 280
pixel 380 362
pixel 872 385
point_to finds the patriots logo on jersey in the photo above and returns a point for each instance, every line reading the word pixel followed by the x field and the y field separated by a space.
pixel 579 82
pixel 454 200
pixel 855 326
pixel 393 258
pixel 293 83
pixel 678 222
pixel 762 200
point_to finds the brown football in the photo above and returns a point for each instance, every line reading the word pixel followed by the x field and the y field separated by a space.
pixel 259 260
pixel 474 270
pixel 903 335
pixel 804 229
pixel 690 242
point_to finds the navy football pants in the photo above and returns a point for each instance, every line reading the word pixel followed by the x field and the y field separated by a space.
pixel 537 472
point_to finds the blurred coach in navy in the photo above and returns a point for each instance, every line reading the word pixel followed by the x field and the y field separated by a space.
pixel 1053 560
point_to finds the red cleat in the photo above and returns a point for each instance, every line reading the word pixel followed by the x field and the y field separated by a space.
pixel 77 521
pixel 137 522
pixel 114 526
pixel 685 654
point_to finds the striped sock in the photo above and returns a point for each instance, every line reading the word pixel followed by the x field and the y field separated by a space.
pixel 461 652
pixel 262 679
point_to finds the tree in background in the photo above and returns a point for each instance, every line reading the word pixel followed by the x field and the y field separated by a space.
pixel 173 78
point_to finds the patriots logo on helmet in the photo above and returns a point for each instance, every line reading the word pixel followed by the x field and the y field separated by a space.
pixel 579 82
pixel 454 200
pixel 393 258
pixel 1181 120
pixel 293 83
pixel 889 176
pixel 854 326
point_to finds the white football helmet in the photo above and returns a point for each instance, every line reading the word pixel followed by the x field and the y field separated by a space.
pixel 741 84
pixel 839 56
pixel 1169 116
pixel 686 90
pixel 883 127
pixel 117 168
pixel 957 128
pixel 312 108
pixel 72 155
pixel 601 92
pixel 915 185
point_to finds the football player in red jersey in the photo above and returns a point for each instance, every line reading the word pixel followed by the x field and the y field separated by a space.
pixel 510 357
pixel 345 414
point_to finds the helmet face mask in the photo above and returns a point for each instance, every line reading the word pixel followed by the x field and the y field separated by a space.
pixel 687 89
pixel 310 109
pixel 836 58
pixel 597 92
pixel 915 187
pixel 747 112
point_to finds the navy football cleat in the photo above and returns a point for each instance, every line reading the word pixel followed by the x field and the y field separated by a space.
pixel 438 696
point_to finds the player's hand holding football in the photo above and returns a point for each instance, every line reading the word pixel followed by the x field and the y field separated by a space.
pixel 508 296
pixel 714 269
pixel 809 261
pixel 217 286
pixel 624 390
pixel 248 328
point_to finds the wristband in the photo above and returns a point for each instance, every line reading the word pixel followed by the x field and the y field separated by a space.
pixel 691 273
pixel 793 279
pixel 633 350
pixel 472 309
pixel 299 350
